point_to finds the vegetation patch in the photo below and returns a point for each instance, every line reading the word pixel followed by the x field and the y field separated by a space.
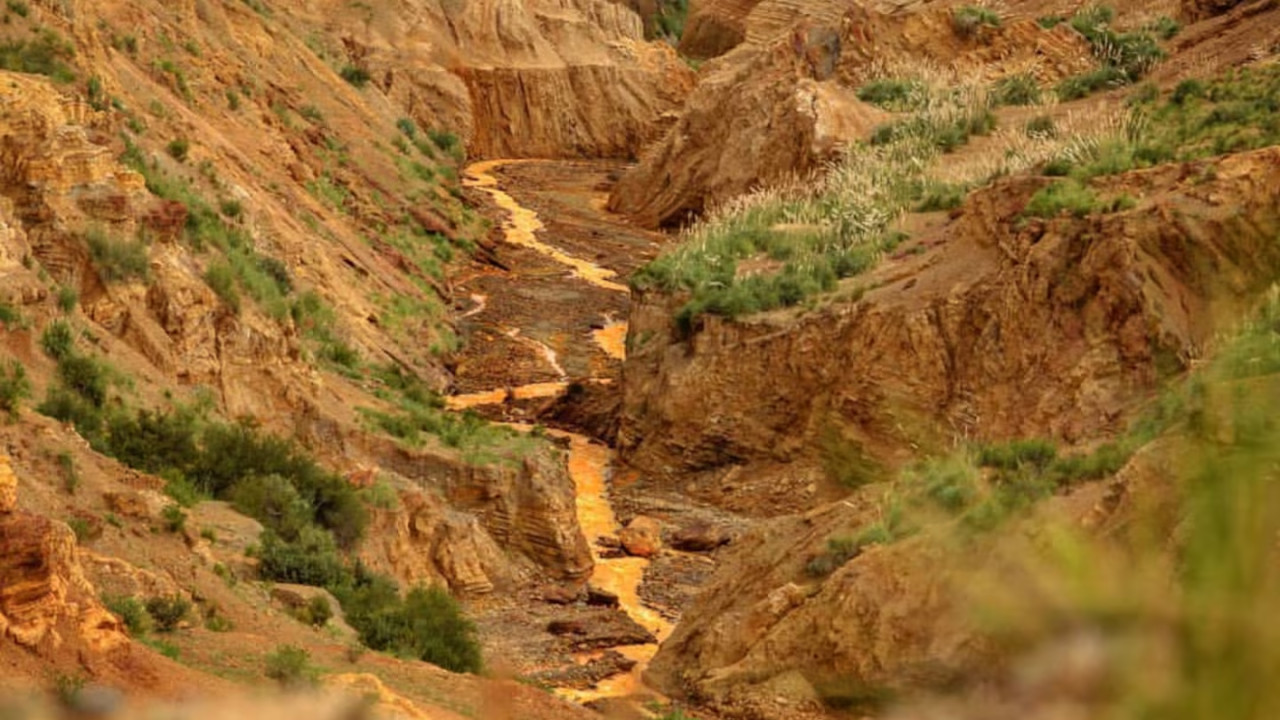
pixel 45 54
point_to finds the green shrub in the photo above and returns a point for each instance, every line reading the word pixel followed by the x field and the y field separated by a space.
pixel 1068 195
pixel 131 612
pixel 1036 453
pixel 178 149
pixel 1085 84
pixel 175 518
pixel 357 76
pixel 428 625
pixel 312 559
pixel 70 476
pixel 968 20
pixel 290 666
pixel 316 612
pixel 1186 91
pixel 67 298
pixel 14 388
pixel 275 502
pixel 168 611
pixel 84 376
pixel 1019 89
pixel 67 688
pixel 894 95
pixel 67 406
pixel 9 315
pixel 1049 22
pixel 1164 27
pixel 221 278
pixel 58 340
pixel 18 7
pixel 81 529
pixel 935 196
pixel 118 260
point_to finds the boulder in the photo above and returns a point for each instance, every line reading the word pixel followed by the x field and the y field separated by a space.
pixel 642 537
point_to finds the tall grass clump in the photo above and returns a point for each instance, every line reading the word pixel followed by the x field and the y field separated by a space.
pixel 1123 58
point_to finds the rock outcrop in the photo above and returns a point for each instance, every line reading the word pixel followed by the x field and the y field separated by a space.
pixel 45 599
pixel 478 528
pixel 893 619
pixel 1004 329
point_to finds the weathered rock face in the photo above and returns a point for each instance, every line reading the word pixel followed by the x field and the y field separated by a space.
pixel 783 101
pixel 478 528
pixel 1048 328
pixel 44 597
pixel 550 78
pixel 714 27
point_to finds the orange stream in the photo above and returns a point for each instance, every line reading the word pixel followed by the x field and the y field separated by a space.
pixel 589 462
pixel 522 227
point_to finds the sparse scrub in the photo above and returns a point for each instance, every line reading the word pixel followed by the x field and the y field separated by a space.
pixel 1124 57
pixel 9 316
pixel 45 54
pixel 14 388
pixel 58 340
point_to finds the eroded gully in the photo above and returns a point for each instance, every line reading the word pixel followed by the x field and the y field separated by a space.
pixel 589 461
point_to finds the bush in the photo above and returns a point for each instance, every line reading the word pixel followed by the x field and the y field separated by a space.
pixel 178 149
pixel 968 20
pixel 168 611
pixel 310 560
pixel 9 315
pixel 14 388
pixel 428 625
pixel 357 76
pixel 290 666
pixel 131 612
pixel 84 376
pixel 57 340
pixel 893 95
pixel 275 502
pixel 67 298
pixel 1019 89
pixel 1065 196
pixel 317 612
pixel 175 518
pixel 118 260
pixel 1034 453
pixel 66 406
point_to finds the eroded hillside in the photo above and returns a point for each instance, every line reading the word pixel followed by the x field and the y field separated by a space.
pixel 338 347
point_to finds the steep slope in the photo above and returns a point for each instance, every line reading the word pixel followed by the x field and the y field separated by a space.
pixel 790 88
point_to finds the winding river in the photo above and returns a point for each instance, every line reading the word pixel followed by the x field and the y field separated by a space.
pixel 589 461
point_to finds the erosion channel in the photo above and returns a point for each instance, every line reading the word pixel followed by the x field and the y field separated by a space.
pixel 547 318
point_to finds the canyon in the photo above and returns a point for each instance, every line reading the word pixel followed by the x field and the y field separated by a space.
pixel 566 358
